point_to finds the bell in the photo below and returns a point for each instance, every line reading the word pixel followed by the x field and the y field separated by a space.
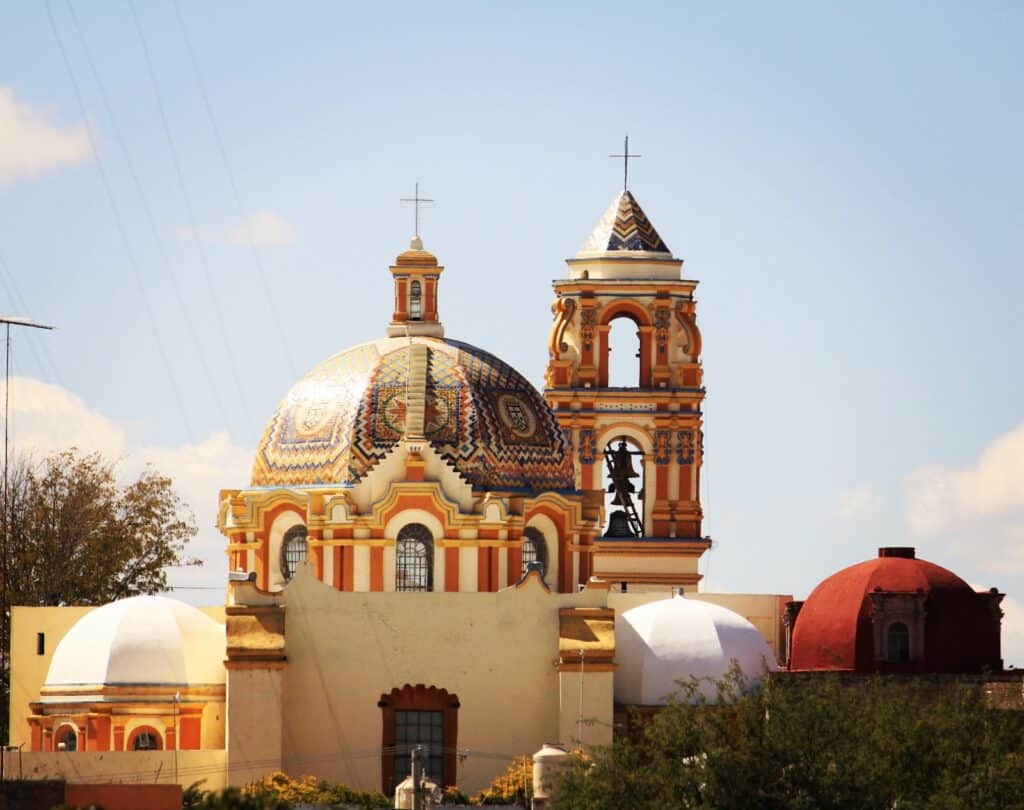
pixel 618 501
pixel 618 525
pixel 622 461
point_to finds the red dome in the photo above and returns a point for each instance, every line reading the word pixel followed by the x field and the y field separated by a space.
pixel 845 622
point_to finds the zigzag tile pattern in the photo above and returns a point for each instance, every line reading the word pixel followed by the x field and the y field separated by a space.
pixel 624 226
pixel 485 418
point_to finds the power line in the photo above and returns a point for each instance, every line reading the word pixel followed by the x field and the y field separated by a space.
pixel 193 220
pixel 150 315
pixel 41 353
pixel 148 212
pixel 243 215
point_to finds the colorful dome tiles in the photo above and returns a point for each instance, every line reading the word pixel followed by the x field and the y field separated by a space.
pixel 482 415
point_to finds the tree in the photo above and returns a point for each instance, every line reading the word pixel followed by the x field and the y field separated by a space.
pixel 819 741
pixel 70 533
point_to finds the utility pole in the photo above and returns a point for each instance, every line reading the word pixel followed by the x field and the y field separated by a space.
pixel 7 510
pixel 417 777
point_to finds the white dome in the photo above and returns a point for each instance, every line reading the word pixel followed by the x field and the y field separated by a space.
pixel 662 642
pixel 140 640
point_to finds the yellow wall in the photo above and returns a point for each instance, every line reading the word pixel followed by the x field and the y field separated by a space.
pixel 496 651
pixel 28 670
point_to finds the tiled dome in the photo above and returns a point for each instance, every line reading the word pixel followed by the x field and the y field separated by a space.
pixel 343 417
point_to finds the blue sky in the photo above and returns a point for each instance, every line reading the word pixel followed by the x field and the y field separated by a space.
pixel 846 183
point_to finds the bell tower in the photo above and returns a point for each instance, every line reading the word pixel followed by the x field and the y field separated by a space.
pixel 638 448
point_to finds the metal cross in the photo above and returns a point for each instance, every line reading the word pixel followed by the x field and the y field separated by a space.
pixel 416 199
pixel 625 163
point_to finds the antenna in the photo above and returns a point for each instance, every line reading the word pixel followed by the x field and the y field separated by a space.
pixel 8 322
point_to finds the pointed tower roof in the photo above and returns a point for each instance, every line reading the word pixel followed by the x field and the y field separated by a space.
pixel 624 245
pixel 624 227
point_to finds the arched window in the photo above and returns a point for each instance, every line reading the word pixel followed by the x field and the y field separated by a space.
pixel 625 488
pixel 415 301
pixel 623 353
pixel 898 644
pixel 66 739
pixel 535 550
pixel 419 715
pixel 145 739
pixel 293 551
pixel 414 559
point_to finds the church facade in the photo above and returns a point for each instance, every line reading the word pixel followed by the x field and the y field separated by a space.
pixel 429 551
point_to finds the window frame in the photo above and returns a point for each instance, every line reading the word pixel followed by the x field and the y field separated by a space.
pixel 139 731
pixel 534 538
pixel 415 300
pixel 294 534
pixel 63 731
pixel 902 655
pixel 408 535
pixel 418 698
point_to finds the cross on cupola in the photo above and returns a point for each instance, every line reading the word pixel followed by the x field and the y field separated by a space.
pixel 625 163
pixel 417 201
pixel 416 274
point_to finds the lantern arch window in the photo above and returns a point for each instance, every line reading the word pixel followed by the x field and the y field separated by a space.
pixel 414 558
pixel 415 301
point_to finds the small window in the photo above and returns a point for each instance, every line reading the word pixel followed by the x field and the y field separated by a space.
pixel 414 559
pixel 898 646
pixel 146 740
pixel 67 739
pixel 40 643
pixel 415 301
pixel 535 551
pixel 293 551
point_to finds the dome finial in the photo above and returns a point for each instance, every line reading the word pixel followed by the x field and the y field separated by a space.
pixel 416 200
pixel 625 163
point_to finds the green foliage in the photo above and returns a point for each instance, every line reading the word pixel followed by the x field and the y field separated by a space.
pixel 313 791
pixel 810 742
pixel 452 795
pixel 230 799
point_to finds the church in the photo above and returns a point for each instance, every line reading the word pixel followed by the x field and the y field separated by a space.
pixel 431 551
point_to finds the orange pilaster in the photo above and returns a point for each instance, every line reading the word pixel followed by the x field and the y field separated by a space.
pixel 191 728
pixel 347 559
pixel 451 569
pixel 376 568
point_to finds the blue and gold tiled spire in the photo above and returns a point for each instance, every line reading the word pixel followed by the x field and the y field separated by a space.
pixel 624 227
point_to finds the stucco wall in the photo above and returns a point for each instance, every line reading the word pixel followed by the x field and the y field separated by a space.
pixel 496 651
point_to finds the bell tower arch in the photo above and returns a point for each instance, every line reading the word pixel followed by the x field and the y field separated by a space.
pixel 637 448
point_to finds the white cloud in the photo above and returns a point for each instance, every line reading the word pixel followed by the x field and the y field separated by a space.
pixel 263 228
pixel 982 502
pixel 31 144
pixel 1013 632
pixel 862 504
pixel 46 418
